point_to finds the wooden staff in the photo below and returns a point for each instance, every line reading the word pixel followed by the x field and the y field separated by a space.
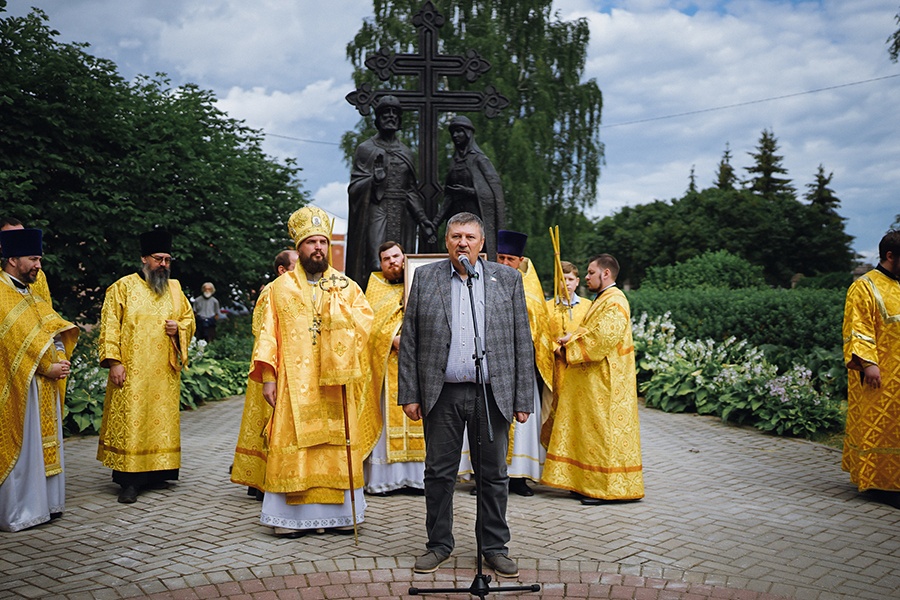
pixel 349 462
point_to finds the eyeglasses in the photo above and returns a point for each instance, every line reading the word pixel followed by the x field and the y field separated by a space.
pixel 163 260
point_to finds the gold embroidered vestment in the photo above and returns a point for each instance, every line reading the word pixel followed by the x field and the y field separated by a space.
pixel 310 338
pixel 405 440
pixel 250 454
pixel 594 447
pixel 872 333
pixel 140 430
pixel 28 325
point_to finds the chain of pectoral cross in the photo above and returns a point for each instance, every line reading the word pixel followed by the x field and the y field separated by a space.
pixel 327 284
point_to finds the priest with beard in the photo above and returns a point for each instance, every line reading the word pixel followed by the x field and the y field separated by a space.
pixel 309 355
pixel 145 327
pixel 395 444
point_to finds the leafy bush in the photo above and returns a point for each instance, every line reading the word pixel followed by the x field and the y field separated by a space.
pixel 234 339
pixel 210 378
pixel 796 319
pixel 827 366
pixel 734 380
pixel 85 387
pixel 709 270
pixel 829 281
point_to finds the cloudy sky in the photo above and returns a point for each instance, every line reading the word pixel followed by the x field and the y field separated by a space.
pixel 680 78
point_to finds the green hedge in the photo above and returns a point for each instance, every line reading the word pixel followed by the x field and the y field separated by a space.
pixel 799 319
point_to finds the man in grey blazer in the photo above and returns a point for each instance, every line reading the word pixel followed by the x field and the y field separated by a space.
pixel 437 383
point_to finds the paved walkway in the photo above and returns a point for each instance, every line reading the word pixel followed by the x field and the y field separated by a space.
pixel 729 513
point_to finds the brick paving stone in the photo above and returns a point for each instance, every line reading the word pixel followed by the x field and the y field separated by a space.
pixel 727 510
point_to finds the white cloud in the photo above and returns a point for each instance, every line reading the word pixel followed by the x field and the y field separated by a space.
pixel 281 66
pixel 276 110
pixel 266 41
pixel 332 198
pixel 650 60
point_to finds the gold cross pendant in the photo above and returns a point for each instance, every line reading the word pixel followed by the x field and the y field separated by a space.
pixel 316 328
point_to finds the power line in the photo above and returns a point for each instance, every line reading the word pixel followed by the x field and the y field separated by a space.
pixel 649 119
pixel 706 110
pixel 287 137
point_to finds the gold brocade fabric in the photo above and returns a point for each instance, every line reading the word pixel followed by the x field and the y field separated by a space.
pixel 40 288
pixel 872 333
pixel 140 429
pixel 539 320
pixel 560 325
pixel 405 438
pixel 307 452
pixel 595 447
pixel 250 454
pixel 27 329
pixel 560 322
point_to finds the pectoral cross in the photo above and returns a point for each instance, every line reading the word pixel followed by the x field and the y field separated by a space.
pixel 316 328
pixel 335 281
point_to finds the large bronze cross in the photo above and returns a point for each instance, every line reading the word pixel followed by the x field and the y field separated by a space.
pixel 429 64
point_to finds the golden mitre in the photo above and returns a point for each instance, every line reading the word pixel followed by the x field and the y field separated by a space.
pixel 307 221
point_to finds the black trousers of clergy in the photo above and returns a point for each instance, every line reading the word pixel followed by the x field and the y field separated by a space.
pixel 444 425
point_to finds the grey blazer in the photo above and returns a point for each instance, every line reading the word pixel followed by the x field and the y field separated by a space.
pixel 425 341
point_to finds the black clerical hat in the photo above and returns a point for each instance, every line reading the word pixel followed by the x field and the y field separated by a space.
pixel 511 242
pixel 158 240
pixel 21 242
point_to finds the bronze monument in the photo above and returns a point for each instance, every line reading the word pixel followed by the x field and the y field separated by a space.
pixel 385 203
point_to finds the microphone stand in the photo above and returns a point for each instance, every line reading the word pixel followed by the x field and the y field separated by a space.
pixel 479 585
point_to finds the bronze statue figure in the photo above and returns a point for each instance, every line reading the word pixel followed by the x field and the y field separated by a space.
pixel 385 203
pixel 473 185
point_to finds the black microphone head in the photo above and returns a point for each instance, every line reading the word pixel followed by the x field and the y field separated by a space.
pixel 464 261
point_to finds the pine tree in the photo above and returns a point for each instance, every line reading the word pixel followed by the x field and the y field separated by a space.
pixel 725 176
pixel 764 178
pixel 894 52
pixel 692 184
pixel 820 194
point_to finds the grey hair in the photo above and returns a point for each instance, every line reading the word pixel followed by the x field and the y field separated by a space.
pixel 464 218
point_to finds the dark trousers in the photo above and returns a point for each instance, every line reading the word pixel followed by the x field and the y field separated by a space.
pixel 444 425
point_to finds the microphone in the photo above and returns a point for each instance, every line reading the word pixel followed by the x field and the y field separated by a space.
pixel 470 270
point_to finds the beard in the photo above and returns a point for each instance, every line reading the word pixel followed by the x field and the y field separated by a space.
pixel 313 264
pixel 393 275
pixel 157 279
pixel 29 277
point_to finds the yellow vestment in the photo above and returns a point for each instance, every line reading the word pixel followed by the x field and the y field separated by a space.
pixel 140 430
pixel 560 321
pixel 560 324
pixel 27 329
pixel 310 337
pixel 539 320
pixel 872 334
pixel 405 438
pixel 40 288
pixel 595 447
pixel 250 454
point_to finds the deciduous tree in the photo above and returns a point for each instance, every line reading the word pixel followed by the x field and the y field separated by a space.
pixel 95 160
